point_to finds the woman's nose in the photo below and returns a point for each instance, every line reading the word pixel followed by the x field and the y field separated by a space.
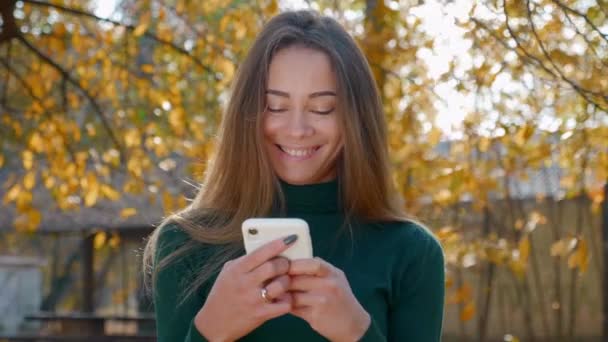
pixel 299 125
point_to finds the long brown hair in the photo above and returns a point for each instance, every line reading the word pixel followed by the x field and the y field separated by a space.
pixel 239 181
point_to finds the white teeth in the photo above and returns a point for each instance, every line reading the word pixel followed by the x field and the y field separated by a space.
pixel 298 153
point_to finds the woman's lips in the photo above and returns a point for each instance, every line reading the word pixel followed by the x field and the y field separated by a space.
pixel 288 156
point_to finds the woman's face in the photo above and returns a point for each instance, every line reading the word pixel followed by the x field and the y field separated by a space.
pixel 301 131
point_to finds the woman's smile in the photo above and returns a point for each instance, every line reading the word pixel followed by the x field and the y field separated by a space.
pixel 297 154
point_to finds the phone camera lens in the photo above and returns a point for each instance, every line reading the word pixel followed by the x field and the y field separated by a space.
pixel 253 231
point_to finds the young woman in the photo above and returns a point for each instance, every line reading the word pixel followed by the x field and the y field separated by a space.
pixel 303 136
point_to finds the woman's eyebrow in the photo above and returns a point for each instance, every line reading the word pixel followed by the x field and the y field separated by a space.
pixel 312 95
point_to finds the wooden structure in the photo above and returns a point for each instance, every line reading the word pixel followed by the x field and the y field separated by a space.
pixel 84 324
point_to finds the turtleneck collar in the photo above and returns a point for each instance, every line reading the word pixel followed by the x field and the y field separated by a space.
pixel 318 198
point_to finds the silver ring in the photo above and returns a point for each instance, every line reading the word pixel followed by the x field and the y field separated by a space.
pixel 264 293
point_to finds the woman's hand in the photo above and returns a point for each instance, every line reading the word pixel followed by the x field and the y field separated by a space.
pixel 235 306
pixel 322 297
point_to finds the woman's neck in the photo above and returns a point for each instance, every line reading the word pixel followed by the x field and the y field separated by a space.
pixel 318 198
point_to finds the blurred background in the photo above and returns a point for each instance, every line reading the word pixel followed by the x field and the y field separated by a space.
pixel 497 112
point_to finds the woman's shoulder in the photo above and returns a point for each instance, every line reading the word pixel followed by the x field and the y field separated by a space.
pixel 171 233
pixel 409 235
pixel 171 237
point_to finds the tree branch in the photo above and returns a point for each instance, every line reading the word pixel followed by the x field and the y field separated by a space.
pixel 75 11
pixel 540 63
pixel 520 46
pixel 583 92
pixel 191 27
pixel 5 62
pixel 586 18
pixel 9 26
pixel 8 75
pixel 40 102
pixel 521 55
pixel 66 75
pixel 586 40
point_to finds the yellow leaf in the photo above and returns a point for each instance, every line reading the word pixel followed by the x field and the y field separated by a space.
pixel 495 255
pixel 180 7
pixel 76 38
pixel 99 240
pixel 134 165
pixel 127 212
pixel 596 195
pixel 133 186
pixel 518 267
pixel 434 136
pixel 132 138
pixel 272 7
pixel 467 312
pixel 23 203
pixel 226 67
pixel 60 29
pixel 443 196
pixel 239 30
pixel 29 180
pixel 143 25
pixel 448 234
pixel 1 160
pixel 580 258
pixel 27 222
pixel 567 182
pixel 167 202
pixel 112 157
pixel 12 194
pixel 35 218
pixel 109 192
pixel 484 144
pixel 523 134
pixel 562 247
pixel 91 129
pixel 177 119
pixel 515 8
pixel 147 68
pixel 28 159
pixel 49 182
pixel 91 196
pixel 558 248
pixel 36 143
pixel 463 294
pixel 114 240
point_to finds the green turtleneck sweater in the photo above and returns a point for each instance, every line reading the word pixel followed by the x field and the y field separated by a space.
pixel 395 270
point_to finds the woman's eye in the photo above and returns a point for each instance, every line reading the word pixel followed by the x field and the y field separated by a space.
pixel 276 110
pixel 323 112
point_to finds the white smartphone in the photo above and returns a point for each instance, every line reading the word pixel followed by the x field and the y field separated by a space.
pixel 258 231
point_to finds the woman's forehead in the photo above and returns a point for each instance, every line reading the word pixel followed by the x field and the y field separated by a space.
pixel 301 69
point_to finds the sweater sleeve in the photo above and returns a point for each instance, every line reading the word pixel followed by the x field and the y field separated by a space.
pixel 417 314
pixel 373 333
pixel 173 322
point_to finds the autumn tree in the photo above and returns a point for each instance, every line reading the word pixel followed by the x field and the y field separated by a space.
pixel 85 98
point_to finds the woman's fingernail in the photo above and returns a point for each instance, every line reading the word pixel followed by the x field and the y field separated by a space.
pixel 290 239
